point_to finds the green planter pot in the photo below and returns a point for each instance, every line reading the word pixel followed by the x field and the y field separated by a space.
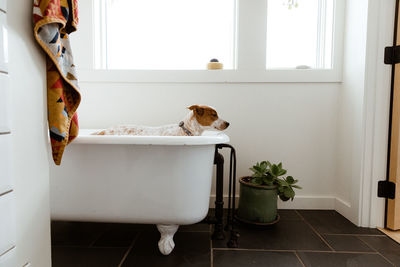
pixel 257 203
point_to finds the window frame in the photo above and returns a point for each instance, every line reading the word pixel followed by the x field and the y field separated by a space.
pixel 250 57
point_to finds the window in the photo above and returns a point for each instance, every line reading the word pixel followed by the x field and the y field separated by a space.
pixel 299 34
pixel 166 34
pixel 173 40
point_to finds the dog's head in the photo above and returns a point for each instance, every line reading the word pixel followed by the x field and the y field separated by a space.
pixel 208 118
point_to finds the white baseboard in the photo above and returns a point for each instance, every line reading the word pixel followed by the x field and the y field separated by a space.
pixel 300 202
pixel 344 208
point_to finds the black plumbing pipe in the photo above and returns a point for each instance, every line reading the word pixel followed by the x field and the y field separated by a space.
pixel 234 235
pixel 218 233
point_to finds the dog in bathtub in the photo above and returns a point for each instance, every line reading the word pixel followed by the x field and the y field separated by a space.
pixel 199 119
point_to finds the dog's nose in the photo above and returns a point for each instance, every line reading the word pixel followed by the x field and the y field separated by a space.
pixel 226 124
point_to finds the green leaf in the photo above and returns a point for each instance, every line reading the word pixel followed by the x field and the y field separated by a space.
pixel 267 181
pixel 290 179
pixel 287 193
pixel 258 168
pixel 292 193
pixel 296 186
pixel 258 174
pixel 282 182
pixel 268 178
pixel 257 181
pixel 283 198
pixel 274 170
pixel 282 172
pixel 264 165
pixel 252 169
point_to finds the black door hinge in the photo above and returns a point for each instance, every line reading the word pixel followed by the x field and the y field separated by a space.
pixel 386 189
pixel 392 55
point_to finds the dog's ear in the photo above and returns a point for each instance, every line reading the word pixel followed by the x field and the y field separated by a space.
pixel 193 107
pixel 197 109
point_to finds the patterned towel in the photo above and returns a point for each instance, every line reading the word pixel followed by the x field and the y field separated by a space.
pixel 53 21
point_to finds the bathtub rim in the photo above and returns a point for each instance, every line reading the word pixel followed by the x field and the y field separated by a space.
pixel 208 138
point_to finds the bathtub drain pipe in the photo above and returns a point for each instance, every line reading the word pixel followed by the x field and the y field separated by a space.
pixel 219 161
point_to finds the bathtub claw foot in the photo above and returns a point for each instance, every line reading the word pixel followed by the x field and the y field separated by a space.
pixel 166 243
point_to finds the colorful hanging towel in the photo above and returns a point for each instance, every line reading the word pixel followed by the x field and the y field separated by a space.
pixel 53 21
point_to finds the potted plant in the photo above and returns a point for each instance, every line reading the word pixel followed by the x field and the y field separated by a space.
pixel 259 193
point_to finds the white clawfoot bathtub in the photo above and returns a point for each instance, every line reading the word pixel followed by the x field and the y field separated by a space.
pixel 162 180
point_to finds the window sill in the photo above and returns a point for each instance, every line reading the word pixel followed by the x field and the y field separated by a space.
pixel 210 76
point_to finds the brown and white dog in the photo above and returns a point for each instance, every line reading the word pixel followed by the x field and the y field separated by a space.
pixel 199 119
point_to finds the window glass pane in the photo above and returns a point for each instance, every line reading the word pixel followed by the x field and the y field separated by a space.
pixel 299 33
pixel 173 34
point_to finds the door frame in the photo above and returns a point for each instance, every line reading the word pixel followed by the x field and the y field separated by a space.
pixel 376 112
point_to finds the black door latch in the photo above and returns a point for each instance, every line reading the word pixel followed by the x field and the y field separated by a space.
pixel 392 55
pixel 386 189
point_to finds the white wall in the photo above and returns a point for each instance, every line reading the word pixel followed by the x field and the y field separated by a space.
pixel 351 96
pixel 292 123
pixel 30 140
pixel 363 111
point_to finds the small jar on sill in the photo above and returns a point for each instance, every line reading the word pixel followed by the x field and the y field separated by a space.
pixel 214 64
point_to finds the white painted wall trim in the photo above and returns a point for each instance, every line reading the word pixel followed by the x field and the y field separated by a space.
pixel 211 76
pixel 376 112
pixel 300 202
pixel 343 207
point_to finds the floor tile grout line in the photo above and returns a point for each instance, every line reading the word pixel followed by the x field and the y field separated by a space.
pixel 298 257
pixel 389 235
pixel 250 249
pixel 315 231
pixel 129 250
pixel 298 214
pixel 354 234
pixel 304 219
pixel 96 239
pixel 386 259
pixel 297 250
pixel 341 252
pixel 368 245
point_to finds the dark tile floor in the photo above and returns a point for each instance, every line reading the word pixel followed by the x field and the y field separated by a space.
pixel 301 238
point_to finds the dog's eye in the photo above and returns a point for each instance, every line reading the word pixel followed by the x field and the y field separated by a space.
pixel 214 115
